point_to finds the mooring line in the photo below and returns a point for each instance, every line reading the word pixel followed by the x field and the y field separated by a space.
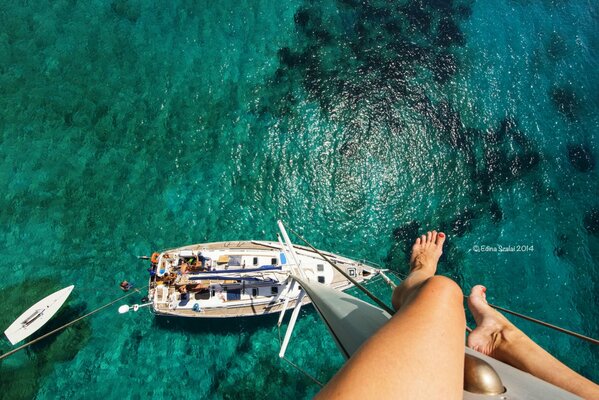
pixel 13 351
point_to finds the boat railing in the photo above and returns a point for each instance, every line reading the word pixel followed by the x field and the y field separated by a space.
pixel 364 261
pixel 360 260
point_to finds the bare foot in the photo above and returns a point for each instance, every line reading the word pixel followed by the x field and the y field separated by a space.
pixel 491 326
pixel 426 252
pixel 423 264
pixel 497 337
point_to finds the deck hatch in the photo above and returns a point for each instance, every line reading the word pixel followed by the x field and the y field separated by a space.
pixel 234 294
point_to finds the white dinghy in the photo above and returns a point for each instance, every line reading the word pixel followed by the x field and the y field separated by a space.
pixel 37 315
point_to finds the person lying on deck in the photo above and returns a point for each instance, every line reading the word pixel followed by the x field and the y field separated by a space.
pixel 184 267
pixel 169 278
pixel 419 353
pixel 201 262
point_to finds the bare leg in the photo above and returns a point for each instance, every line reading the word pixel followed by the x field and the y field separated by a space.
pixel 419 353
pixel 497 337
pixel 423 264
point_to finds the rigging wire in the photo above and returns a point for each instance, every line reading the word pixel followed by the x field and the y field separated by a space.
pixel 528 318
pixel 546 324
pixel 379 302
pixel 13 351
pixel 298 367
pixel 346 276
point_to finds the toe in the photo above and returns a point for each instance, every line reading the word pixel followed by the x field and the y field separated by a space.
pixel 423 239
pixel 429 236
pixel 478 291
pixel 440 239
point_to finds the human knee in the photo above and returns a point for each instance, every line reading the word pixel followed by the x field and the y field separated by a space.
pixel 445 288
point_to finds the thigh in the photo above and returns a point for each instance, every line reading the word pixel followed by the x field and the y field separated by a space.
pixel 418 354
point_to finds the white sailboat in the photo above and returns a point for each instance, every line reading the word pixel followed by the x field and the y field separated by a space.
pixel 241 278
pixel 37 315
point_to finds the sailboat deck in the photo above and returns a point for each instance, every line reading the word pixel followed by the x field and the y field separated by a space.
pixel 238 280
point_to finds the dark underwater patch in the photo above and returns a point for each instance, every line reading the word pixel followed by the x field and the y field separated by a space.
pixel 581 157
pixel 449 33
pixel 407 232
pixel 310 22
pixel 302 18
pixel 508 155
pixel 565 101
pixel 289 58
pixel 591 221
pixel 349 149
pixel 443 5
pixel 126 10
pixel 403 238
pixel 496 213
pixel 520 164
pixel 448 122
pixel 444 67
pixel 460 224
pixel 496 157
pixel 68 119
pixel 501 167
pixel 556 48
pixel 419 18
pixel 559 250
pixel 452 261
pixel 507 127
pixel 363 51
pixel 464 11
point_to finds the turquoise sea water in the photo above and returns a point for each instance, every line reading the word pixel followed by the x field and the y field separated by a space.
pixel 131 126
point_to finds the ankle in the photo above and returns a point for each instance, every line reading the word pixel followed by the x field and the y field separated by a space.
pixel 509 338
pixel 423 263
